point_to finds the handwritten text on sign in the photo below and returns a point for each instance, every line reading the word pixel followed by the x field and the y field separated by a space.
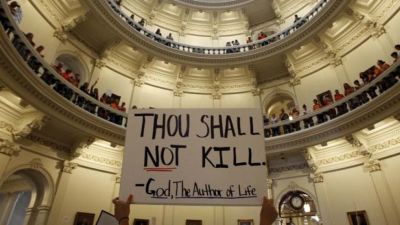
pixel 201 157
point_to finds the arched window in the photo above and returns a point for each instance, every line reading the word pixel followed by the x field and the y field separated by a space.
pixel 72 63
pixel 22 195
pixel 297 208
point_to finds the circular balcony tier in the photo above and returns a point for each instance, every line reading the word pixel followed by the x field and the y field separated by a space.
pixel 24 72
pixel 214 4
pixel 117 25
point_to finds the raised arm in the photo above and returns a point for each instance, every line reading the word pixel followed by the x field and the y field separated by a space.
pixel 268 212
pixel 93 85
pixel 122 210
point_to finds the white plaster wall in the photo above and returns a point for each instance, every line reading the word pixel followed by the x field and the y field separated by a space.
pixel 242 100
pixel 89 191
pixel 391 168
pixel 317 83
pixel 197 101
pixel 110 81
pixel 360 59
pixel 40 28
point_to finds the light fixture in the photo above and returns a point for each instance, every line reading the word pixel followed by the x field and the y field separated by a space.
pixel 307 208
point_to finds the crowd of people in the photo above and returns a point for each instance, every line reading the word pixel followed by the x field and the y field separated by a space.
pixel 55 80
pixel 232 46
pixel 90 90
pixel 321 105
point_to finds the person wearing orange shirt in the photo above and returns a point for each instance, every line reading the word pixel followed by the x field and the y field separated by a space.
pixel 320 116
pixel 383 65
pixel 342 108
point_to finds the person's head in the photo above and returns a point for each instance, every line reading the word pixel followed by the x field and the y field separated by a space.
pixel 40 48
pixel 273 115
pixel 397 47
pixel 132 16
pixel 14 4
pixel 304 106
pixel 68 71
pixel 282 111
pixel 394 55
pixel 356 82
pixel 296 16
pixel 380 62
pixel 315 101
pixel 29 36
pixel 346 85
pixel 336 91
pixel 96 91
pixel 123 104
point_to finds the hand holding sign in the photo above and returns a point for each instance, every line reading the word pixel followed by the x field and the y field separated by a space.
pixel 268 212
pixel 122 209
pixel 203 157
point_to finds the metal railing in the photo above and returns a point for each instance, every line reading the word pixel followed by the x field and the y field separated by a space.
pixel 358 98
pixel 136 27
pixel 54 80
pixel 45 73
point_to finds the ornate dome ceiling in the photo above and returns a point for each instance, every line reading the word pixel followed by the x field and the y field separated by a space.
pixel 214 3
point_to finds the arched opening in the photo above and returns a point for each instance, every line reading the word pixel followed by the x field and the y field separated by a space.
pixel 70 62
pixel 277 102
pixel 24 198
pixel 297 208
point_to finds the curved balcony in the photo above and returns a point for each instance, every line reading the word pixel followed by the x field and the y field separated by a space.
pixel 145 40
pixel 363 108
pixel 24 71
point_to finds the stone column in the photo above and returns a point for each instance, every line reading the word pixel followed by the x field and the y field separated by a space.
pixel 270 193
pixel 322 197
pixel 341 74
pixel 39 215
pixel 389 208
pixel 7 150
pixel 62 186
pixel 116 190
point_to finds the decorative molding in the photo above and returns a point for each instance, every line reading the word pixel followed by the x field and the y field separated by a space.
pixel 79 147
pixel 9 148
pixel 102 160
pixel 6 126
pixel 35 124
pixel 288 168
pixel 373 166
pixel 317 177
pixel 118 178
pixel 36 163
pixel 61 35
pixel 48 142
pixel 384 145
pixel 68 166
pixel 338 158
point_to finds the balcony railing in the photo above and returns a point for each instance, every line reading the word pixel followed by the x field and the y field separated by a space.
pixel 136 27
pixel 28 71
pixel 54 80
pixel 362 96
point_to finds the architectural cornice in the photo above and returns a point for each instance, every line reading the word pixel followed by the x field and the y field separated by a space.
pixel 140 41
pixel 358 119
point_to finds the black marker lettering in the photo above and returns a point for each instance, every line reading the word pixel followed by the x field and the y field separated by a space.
pixel 203 117
pixel 143 115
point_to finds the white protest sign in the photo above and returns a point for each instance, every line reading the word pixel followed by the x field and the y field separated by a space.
pixel 195 157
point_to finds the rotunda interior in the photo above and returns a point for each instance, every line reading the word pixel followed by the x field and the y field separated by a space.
pixel 324 74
